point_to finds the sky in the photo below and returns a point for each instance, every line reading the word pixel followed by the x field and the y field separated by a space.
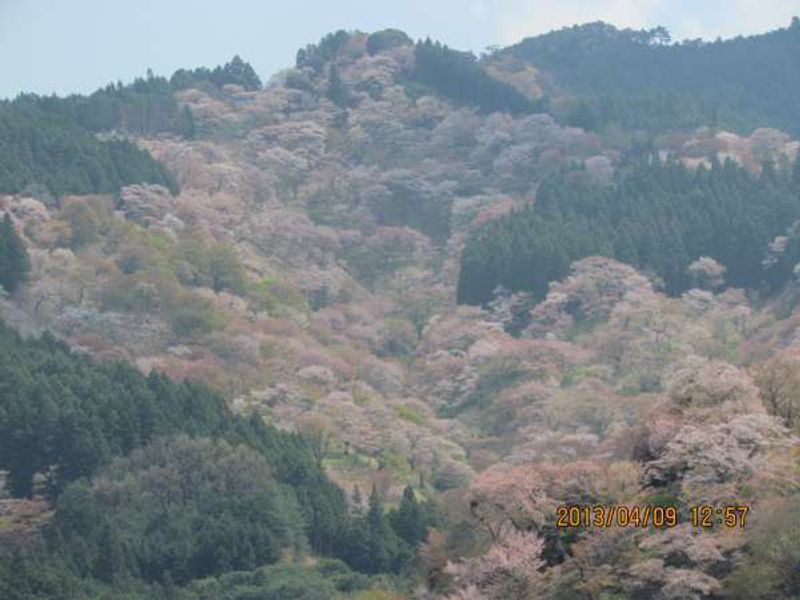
pixel 76 46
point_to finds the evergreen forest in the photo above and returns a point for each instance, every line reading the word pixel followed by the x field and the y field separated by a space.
pixel 658 216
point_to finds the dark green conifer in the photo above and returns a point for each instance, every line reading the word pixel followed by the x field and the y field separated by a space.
pixel 14 260
pixel 409 521
pixel 337 90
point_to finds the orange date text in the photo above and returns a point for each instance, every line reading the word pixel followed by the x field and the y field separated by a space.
pixel 616 515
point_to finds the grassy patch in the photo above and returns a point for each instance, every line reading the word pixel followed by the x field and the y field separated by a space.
pixel 411 413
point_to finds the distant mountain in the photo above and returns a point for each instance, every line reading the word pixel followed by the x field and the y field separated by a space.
pixel 640 79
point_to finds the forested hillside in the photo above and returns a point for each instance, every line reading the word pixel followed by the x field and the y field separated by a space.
pixel 200 491
pixel 658 217
pixel 39 147
pixel 641 80
pixel 437 68
pixel 366 331
pixel 50 142
pixel 457 76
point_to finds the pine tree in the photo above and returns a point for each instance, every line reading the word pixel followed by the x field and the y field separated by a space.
pixel 337 91
pixel 187 126
pixel 409 519
pixel 14 261
pixel 111 556
pixel 380 534
pixel 239 72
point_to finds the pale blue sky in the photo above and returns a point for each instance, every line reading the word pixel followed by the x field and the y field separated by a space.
pixel 78 45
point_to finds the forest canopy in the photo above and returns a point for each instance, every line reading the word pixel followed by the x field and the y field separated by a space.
pixel 459 77
pixel 235 72
pixel 641 80
pixel 304 412
pixel 40 146
pixel 158 481
pixel 658 217
pixel 53 141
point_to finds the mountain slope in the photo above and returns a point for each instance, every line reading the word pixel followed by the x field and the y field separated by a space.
pixel 308 271
pixel 740 83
